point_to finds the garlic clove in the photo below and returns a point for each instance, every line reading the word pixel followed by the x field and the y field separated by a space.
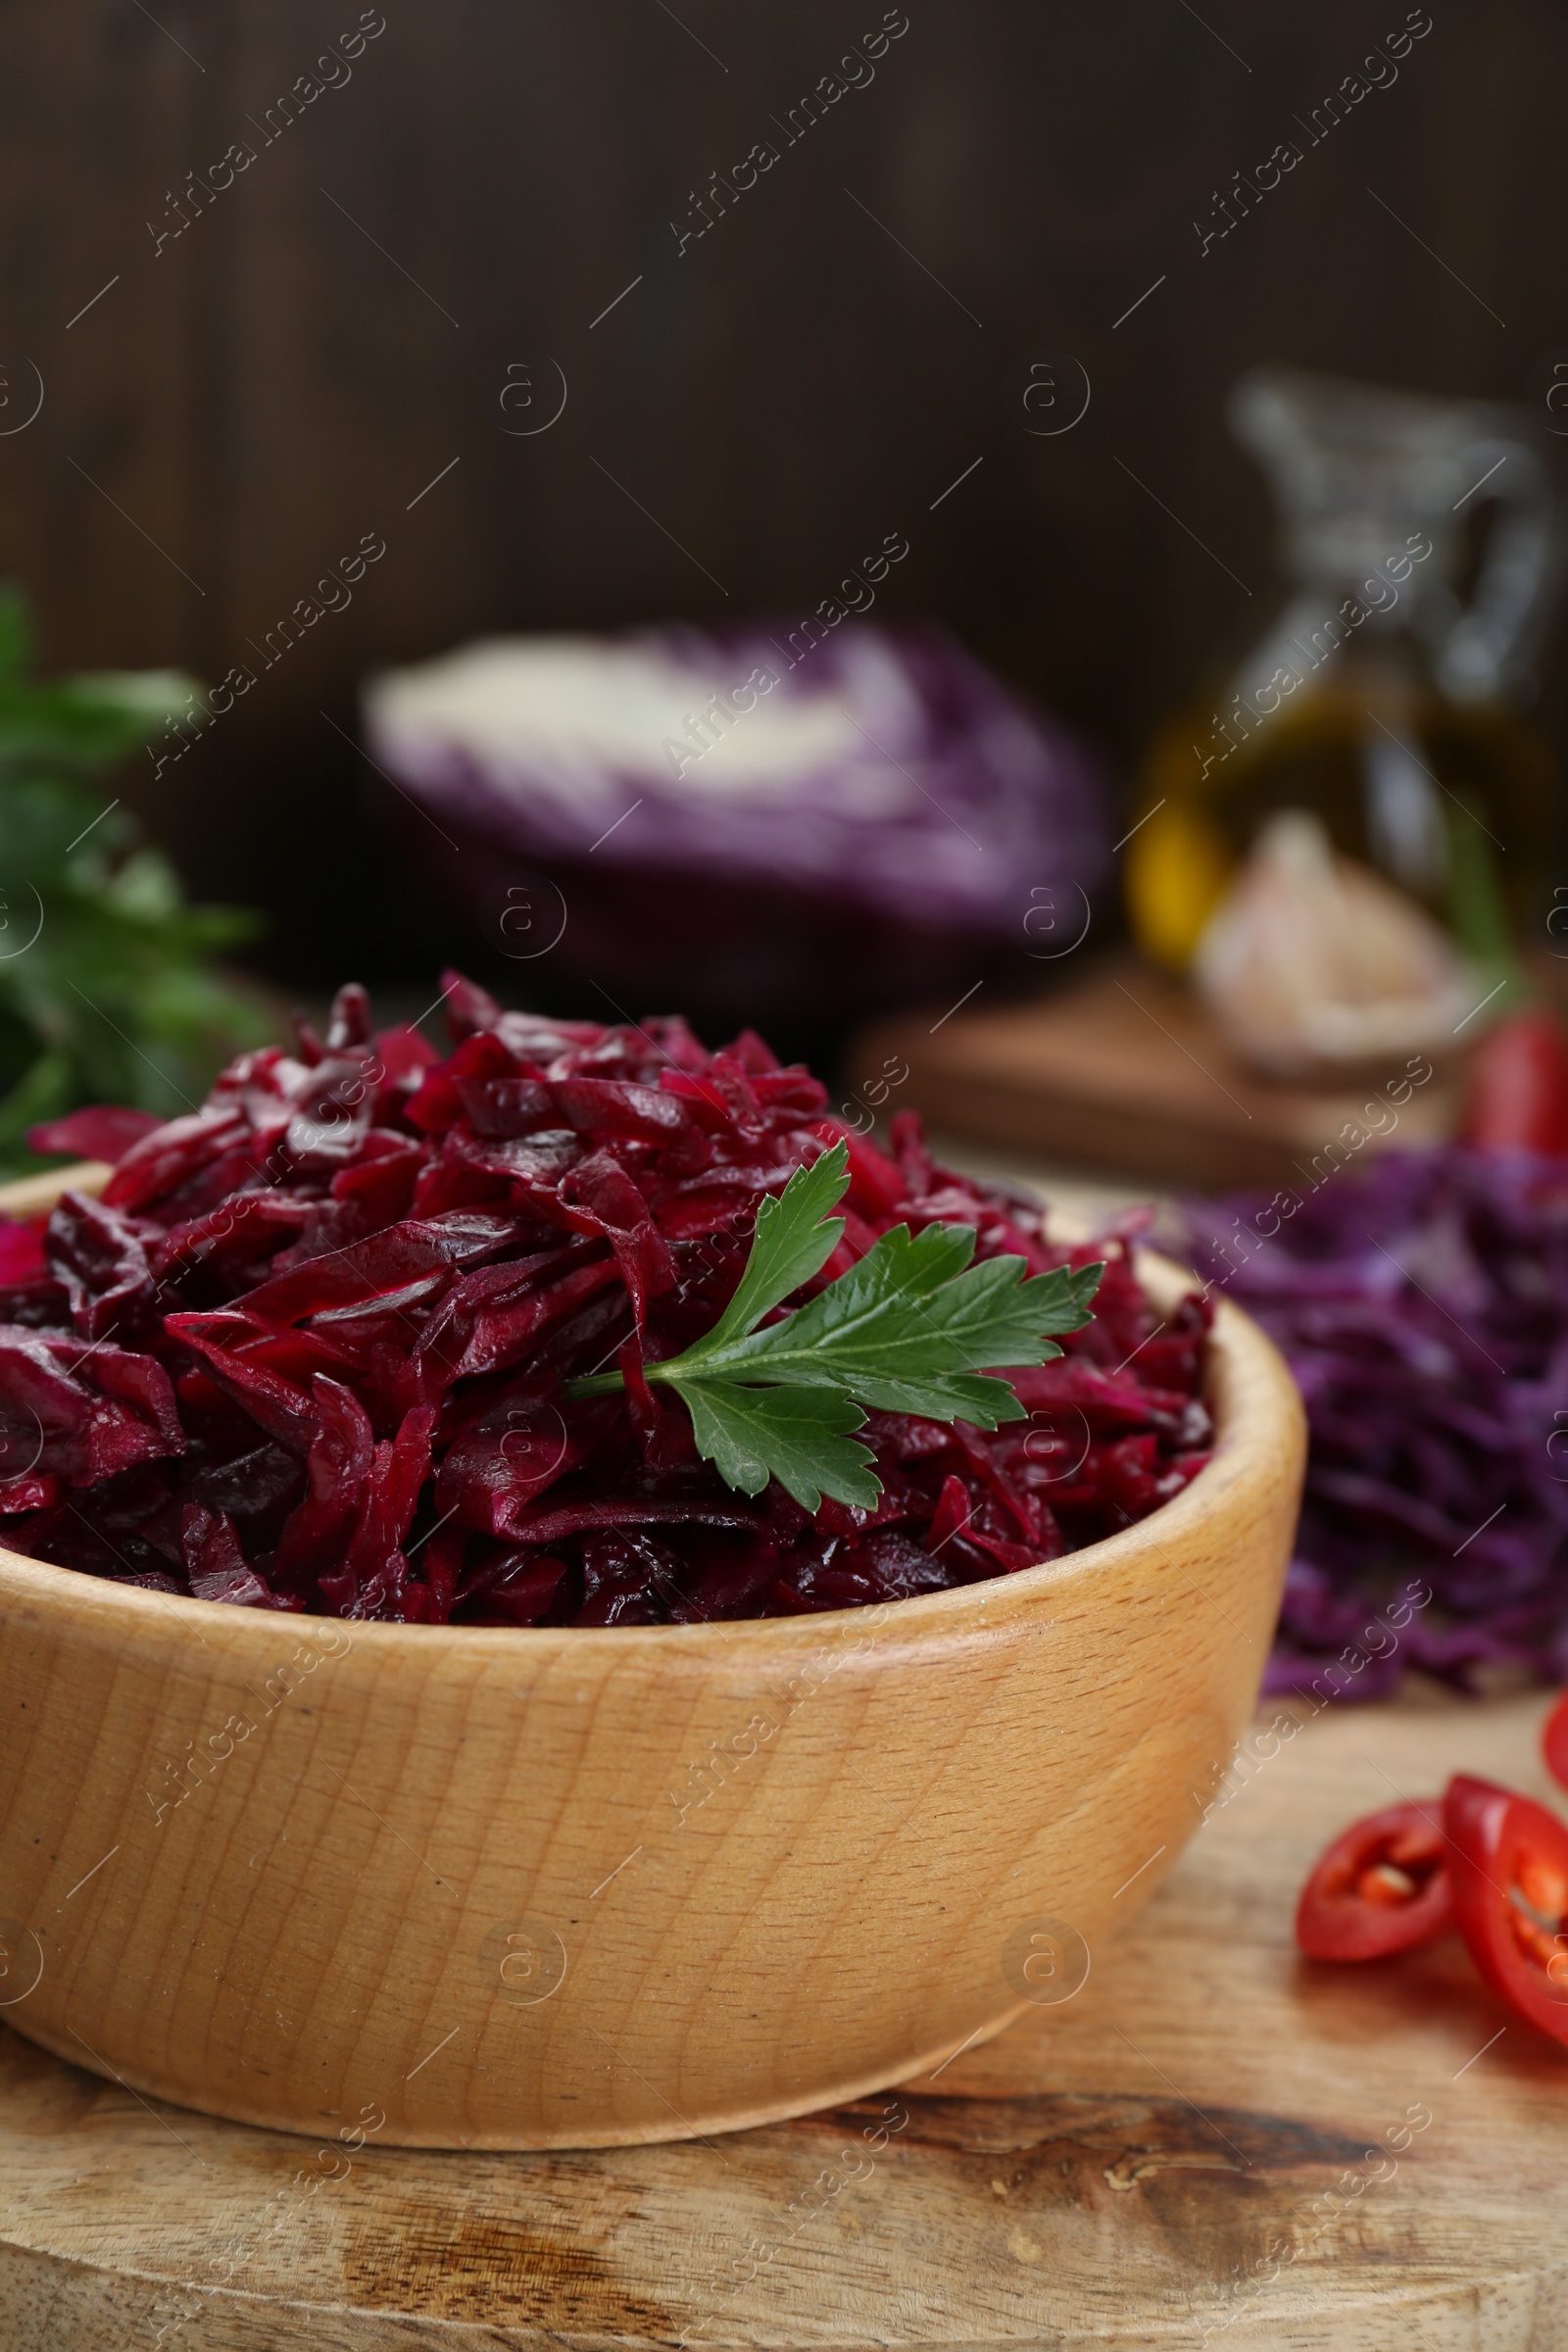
pixel 1313 963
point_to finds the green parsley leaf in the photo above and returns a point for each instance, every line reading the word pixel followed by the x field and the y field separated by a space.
pixel 913 1327
pixel 905 1329
pixel 790 1244
pixel 108 988
pixel 798 1435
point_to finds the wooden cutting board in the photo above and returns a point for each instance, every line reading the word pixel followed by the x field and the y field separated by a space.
pixel 1124 1071
pixel 1181 2145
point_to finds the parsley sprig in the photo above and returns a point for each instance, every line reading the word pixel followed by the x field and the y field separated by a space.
pixel 109 991
pixel 902 1332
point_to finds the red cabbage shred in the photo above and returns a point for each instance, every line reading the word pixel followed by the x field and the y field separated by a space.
pixel 1421 1300
pixel 307 1351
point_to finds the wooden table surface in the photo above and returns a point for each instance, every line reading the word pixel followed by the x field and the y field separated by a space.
pixel 1122 1068
pixel 1212 2141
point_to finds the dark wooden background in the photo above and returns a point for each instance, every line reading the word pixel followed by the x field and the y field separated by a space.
pixel 283 379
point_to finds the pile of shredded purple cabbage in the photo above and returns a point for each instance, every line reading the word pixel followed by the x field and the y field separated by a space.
pixel 1422 1304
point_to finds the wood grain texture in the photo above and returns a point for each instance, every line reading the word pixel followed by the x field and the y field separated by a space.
pixel 553 1887
pixel 36 1195
pixel 1125 1069
pixel 1178 2155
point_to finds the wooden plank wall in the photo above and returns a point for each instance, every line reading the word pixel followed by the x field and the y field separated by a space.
pixel 332 329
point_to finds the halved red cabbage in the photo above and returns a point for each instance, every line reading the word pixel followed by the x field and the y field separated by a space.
pixel 882 766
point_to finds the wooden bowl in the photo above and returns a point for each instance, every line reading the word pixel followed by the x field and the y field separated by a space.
pixel 568 1888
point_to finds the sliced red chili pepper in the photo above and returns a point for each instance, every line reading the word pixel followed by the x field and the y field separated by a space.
pixel 1509 1861
pixel 1382 1887
pixel 1554 1741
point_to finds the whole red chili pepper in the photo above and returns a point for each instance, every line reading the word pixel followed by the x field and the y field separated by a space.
pixel 1518 1097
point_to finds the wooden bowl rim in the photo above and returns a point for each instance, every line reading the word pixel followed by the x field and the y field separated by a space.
pixel 1257 1409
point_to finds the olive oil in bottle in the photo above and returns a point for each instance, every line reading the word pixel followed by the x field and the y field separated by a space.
pixel 1379 701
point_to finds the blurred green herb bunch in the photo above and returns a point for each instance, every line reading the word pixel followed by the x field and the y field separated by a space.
pixel 107 989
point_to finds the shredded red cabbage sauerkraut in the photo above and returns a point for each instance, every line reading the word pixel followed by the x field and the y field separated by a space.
pixel 307 1351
